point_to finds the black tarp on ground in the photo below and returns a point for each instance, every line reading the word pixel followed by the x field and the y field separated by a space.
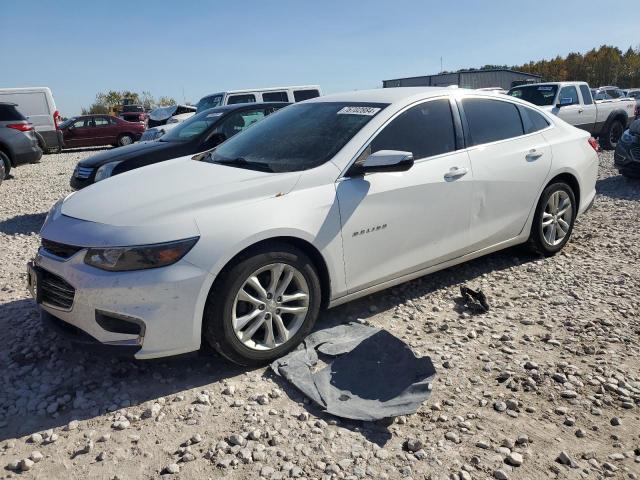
pixel 370 374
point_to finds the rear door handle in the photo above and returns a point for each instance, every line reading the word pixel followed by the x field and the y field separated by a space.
pixel 534 154
pixel 455 172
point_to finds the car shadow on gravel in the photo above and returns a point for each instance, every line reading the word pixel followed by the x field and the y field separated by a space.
pixel 23 224
pixel 42 371
pixel 87 149
pixel 619 187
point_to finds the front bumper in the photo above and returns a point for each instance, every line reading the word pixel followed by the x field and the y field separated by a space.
pixel 166 302
pixel 627 157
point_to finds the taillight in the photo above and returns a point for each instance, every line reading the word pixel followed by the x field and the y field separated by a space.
pixel 594 143
pixel 56 118
pixel 23 127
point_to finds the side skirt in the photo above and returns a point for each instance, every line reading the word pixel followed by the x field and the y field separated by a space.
pixel 420 273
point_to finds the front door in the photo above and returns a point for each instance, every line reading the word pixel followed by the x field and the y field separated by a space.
pixel 79 133
pixel 398 223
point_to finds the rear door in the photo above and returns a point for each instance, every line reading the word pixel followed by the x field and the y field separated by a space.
pixel 104 131
pixel 510 164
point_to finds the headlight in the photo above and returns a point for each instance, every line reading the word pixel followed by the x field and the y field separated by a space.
pixel 105 170
pixel 173 120
pixel 120 259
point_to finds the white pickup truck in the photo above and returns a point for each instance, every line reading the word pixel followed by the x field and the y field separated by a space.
pixel 573 102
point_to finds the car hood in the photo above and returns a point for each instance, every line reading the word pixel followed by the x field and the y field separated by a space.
pixel 122 153
pixel 172 192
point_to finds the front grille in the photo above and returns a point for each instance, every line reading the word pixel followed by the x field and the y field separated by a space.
pixel 60 249
pixel 83 172
pixel 55 291
pixel 635 152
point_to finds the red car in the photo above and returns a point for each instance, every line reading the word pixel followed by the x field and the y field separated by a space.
pixel 97 130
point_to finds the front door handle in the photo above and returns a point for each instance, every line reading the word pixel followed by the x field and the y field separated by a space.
pixel 580 110
pixel 533 154
pixel 455 172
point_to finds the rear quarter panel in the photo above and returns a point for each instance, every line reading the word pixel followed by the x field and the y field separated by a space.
pixel 572 154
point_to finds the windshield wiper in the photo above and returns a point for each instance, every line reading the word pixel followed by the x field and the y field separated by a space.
pixel 244 163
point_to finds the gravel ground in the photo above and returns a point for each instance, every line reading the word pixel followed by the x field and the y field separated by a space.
pixel 545 385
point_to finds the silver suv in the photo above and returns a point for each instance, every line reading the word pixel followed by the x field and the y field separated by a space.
pixel 18 142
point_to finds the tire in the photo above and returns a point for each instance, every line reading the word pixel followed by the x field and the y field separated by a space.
pixel 225 299
pixel 609 140
pixel 539 236
pixel 42 144
pixel 125 139
pixel 5 166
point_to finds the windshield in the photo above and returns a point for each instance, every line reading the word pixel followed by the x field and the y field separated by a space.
pixel 67 122
pixel 541 95
pixel 132 108
pixel 211 101
pixel 297 137
pixel 191 128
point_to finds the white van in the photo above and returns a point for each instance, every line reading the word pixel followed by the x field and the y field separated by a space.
pixel 274 94
pixel 37 104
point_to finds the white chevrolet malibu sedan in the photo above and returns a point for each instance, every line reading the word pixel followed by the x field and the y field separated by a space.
pixel 322 202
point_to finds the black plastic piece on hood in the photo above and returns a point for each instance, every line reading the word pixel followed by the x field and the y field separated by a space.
pixel 475 300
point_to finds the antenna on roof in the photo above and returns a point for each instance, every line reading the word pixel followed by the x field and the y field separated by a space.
pixel 441 70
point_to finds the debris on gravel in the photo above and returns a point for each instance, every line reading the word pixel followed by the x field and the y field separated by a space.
pixel 546 384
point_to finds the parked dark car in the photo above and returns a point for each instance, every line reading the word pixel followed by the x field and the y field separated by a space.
pixel 201 132
pixel 97 130
pixel 627 155
pixel 133 113
pixel 18 142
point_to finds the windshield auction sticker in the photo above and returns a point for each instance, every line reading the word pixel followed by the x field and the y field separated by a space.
pixel 369 111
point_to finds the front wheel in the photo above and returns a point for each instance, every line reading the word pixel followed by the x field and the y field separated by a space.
pixel 263 306
pixel 554 218
pixel 124 140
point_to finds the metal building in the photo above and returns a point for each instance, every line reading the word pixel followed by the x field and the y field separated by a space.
pixel 500 77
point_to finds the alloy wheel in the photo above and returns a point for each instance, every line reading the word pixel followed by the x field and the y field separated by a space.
pixel 270 307
pixel 557 218
pixel 126 140
pixel 3 171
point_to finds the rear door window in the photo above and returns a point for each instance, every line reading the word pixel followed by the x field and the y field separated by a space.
pixel 424 130
pixel 301 95
pixel 491 120
pixel 275 97
pixel 586 95
pixel 233 99
pixel 101 121
pixel 239 121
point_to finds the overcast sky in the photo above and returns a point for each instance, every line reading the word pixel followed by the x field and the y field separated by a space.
pixel 192 48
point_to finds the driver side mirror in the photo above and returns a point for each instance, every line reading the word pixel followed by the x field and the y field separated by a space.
pixel 384 161
pixel 564 102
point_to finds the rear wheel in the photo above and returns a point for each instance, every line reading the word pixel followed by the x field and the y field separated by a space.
pixel 554 218
pixel 125 139
pixel 263 306
pixel 610 139
pixel 5 166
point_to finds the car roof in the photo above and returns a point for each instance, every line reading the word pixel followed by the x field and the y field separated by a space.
pixel 388 95
pixel 240 106
pixel 263 90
